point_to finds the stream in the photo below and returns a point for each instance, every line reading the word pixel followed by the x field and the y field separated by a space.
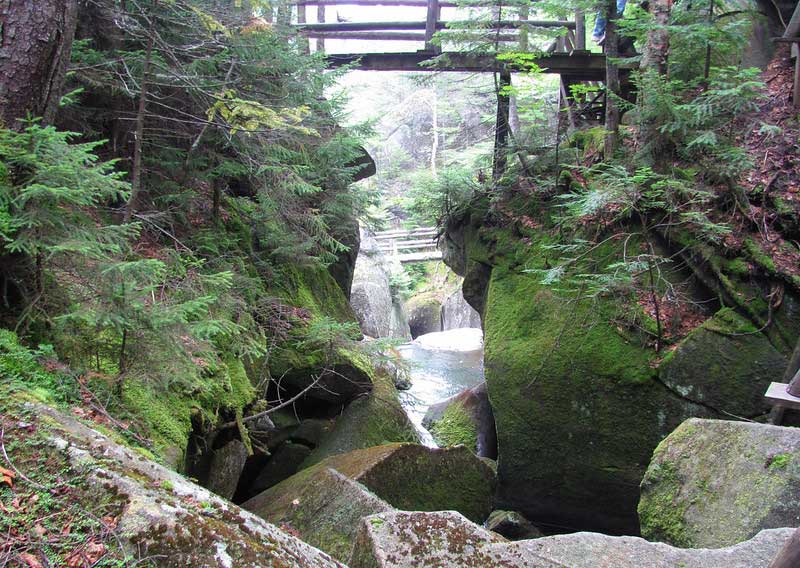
pixel 441 364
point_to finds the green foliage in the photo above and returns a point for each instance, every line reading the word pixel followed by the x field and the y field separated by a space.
pixel 47 187
pixel 434 198
pixel 21 367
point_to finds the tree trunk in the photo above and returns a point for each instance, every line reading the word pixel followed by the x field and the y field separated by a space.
pixel 612 81
pixel 655 60
pixel 35 46
pixel 501 126
pixel 655 54
pixel 434 130
pixel 136 172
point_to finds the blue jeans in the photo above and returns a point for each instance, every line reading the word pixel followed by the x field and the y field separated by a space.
pixel 600 22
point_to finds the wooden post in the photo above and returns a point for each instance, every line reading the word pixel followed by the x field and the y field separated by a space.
pixel 321 20
pixel 580 31
pixel 789 555
pixel 434 13
pixel 501 127
pixel 796 89
pixel 301 19
pixel 524 13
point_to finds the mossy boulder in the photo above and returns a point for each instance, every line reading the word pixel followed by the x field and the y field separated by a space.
pixel 424 313
pixel 579 395
pixel 417 478
pixel 225 468
pixel 159 514
pixel 715 483
pixel 737 364
pixel 326 502
pixel 371 420
pixel 445 539
pixel 465 419
pixel 576 404
pixel 320 505
pixel 334 378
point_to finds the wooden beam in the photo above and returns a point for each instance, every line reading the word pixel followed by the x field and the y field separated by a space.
pixel 420 25
pixel 585 66
pixel 777 395
pixel 370 36
pixel 410 3
pixel 409 36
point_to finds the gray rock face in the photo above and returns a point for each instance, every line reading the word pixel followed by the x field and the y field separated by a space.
pixel 378 313
pixel 226 466
pixel 321 505
pixel 716 483
pixel 457 313
pixel 512 525
pixel 160 516
pixel 446 539
pixel 443 539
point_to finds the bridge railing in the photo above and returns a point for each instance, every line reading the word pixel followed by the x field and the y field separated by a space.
pixel 573 39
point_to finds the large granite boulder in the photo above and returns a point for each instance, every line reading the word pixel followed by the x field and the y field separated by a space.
pixel 715 483
pixel 324 504
pixel 464 419
pixel 321 506
pixel 457 313
pixel 156 512
pixel 225 468
pixel 370 420
pixel 446 539
pixel 379 312
pixel 581 399
pixel 416 478
pixel 512 525
pixel 424 314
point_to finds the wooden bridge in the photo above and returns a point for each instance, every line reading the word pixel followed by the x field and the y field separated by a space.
pixel 566 55
pixel 414 245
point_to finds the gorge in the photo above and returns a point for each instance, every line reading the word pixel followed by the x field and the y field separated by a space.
pixel 274 294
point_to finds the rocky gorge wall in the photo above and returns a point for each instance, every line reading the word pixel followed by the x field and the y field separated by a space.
pixel 579 402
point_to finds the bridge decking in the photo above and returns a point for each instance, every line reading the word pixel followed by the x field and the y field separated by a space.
pixel 582 66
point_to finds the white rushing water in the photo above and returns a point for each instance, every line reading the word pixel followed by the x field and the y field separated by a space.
pixel 442 364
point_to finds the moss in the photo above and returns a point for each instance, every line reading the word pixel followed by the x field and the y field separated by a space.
pixel 167 412
pixel 757 255
pixel 780 461
pixel 738 266
pixel 373 420
pixel 414 478
pixel 661 514
pixel 456 427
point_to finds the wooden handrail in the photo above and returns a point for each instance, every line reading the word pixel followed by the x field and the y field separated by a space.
pixel 422 25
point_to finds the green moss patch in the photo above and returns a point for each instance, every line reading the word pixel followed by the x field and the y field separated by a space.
pixel 456 427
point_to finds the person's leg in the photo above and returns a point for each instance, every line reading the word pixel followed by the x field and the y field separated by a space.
pixel 599 27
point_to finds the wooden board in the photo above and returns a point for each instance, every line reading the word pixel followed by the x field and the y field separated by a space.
pixel 776 395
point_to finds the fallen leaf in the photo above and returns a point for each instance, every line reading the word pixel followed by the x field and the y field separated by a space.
pixel 7 476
